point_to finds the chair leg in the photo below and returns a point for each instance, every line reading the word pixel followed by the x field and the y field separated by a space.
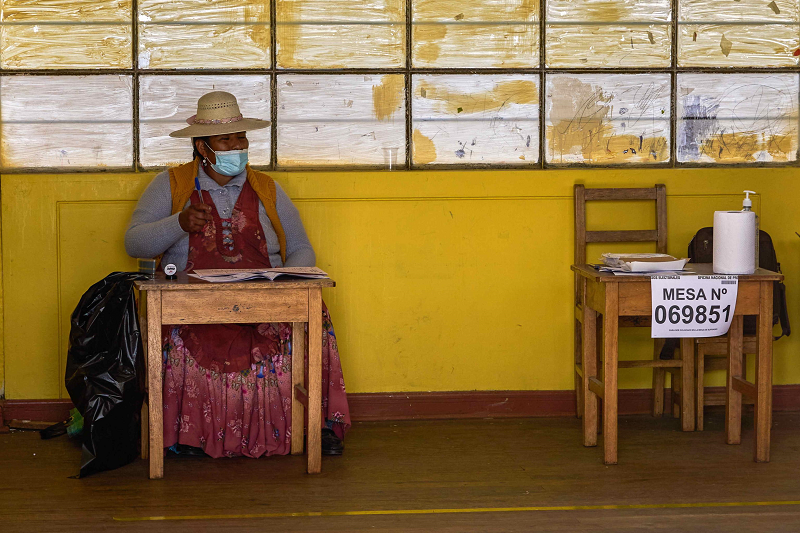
pixel 578 379
pixel 676 393
pixel 659 377
pixel 700 363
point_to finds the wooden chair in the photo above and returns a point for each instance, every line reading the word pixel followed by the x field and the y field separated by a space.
pixel 658 235
pixel 712 354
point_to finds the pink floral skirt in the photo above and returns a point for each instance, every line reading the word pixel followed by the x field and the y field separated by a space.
pixel 248 412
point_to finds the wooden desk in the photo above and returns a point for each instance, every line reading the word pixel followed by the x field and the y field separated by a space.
pixel 615 296
pixel 191 301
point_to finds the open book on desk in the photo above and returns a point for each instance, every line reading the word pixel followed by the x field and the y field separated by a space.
pixel 224 275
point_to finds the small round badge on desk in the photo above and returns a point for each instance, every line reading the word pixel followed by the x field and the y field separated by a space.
pixel 170 271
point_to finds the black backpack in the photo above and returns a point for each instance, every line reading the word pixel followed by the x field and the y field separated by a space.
pixel 701 250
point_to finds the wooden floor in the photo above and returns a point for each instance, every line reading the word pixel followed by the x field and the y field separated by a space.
pixel 488 474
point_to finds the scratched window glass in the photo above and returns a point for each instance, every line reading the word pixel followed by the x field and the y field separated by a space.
pixel 45 34
pixel 165 102
pixel 341 33
pixel 746 33
pixel 488 33
pixel 737 118
pixel 66 121
pixel 607 118
pixel 617 33
pixel 191 34
pixel 477 119
pixel 339 120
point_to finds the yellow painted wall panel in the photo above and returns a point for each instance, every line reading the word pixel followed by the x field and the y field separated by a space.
pixel 87 229
pixel 440 276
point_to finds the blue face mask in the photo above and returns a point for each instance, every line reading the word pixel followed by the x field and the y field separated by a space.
pixel 231 162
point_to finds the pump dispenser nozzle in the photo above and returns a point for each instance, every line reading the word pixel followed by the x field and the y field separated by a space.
pixel 747 204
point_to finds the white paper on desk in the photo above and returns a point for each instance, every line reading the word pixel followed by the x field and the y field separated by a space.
pixel 692 306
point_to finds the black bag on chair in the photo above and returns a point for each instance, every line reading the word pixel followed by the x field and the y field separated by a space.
pixel 701 250
pixel 105 372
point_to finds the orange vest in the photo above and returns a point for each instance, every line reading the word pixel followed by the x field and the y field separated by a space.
pixel 181 183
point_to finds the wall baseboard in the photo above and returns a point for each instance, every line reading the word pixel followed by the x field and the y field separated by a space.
pixel 3 426
pixel 433 405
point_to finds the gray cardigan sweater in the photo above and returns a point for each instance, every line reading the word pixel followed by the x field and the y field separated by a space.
pixel 154 230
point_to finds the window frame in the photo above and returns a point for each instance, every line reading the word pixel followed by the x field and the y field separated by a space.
pixel 409 71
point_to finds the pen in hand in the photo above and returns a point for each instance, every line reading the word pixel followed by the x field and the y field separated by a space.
pixel 199 190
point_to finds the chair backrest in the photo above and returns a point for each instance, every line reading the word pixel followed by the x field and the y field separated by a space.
pixel 583 236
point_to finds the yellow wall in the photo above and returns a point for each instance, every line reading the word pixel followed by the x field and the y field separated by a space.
pixel 451 280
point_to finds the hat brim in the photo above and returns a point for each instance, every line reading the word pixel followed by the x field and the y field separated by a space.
pixel 205 130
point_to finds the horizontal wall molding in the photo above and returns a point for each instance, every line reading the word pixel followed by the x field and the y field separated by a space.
pixel 368 407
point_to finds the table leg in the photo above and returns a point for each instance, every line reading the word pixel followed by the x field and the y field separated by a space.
pixel 733 401
pixel 610 363
pixel 588 399
pixel 154 384
pixel 763 407
pixel 687 384
pixel 314 381
pixel 298 373
pixel 145 414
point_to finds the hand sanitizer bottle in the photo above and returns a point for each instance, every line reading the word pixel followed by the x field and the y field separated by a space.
pixel 747 205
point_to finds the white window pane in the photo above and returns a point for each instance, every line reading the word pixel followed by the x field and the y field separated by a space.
pixel 66 121
pixel 165 102
pixel 715 45
pixel 489 33
pixel 608 33
pixel 739 10
pixel 62 34
pixel 745 33
pixel 476 119
pixel 609 10
pixel 341 33
pixel 607 118
pixel 340 119
pixel 737 118
pixel 608 45
pixel 196 34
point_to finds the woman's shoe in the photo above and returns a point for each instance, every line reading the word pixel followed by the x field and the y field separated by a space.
pixel 331 444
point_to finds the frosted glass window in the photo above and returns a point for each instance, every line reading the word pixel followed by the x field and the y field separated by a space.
pixel 66 121
pixel 736 118
pixel 341 33
pixel 746 33
pixel 165 102
pixel 193 34
pixel 59 34
pixel 475 119
pixel 616 33
pixel 489 33
pixel 340 119
pixel 607 118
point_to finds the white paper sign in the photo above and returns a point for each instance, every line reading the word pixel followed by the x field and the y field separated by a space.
pixel 692 306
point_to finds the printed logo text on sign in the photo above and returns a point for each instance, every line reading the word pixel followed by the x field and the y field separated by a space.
pixel 692 306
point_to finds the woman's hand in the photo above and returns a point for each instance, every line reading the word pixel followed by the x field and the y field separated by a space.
pixel 194 217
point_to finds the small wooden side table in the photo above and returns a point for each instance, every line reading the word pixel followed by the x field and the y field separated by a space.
pixel 189 300
pixel 615 296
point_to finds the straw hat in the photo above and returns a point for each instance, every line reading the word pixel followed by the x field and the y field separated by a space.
pixel 218 114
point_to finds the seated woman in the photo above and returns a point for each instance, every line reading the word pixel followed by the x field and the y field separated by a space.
pixel 227 388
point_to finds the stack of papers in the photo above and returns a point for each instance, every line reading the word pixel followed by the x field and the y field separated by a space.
pixel 221 275
pixel 641 263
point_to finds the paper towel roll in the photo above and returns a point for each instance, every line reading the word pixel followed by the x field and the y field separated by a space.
pixel 734 242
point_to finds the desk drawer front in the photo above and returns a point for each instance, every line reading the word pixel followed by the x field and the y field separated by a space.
pixel 233 306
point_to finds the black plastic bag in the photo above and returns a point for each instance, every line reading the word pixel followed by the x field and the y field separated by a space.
pixel 105 372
